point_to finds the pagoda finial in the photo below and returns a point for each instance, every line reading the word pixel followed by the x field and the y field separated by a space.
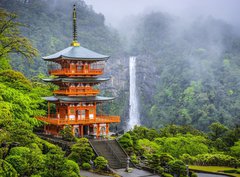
pixel 75 42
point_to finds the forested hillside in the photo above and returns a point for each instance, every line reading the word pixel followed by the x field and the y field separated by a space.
pixel 48 24
pixel 190 71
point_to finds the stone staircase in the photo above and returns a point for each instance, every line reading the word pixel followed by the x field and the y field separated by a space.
pixel 112 151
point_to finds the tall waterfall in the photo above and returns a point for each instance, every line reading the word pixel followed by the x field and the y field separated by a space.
pixel 133 99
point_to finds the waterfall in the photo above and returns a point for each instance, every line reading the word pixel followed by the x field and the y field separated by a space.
pixel 133 99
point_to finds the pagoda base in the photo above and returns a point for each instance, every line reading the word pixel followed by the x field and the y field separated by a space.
pixel 91 130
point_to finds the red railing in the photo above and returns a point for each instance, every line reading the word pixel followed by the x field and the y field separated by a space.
pixel 64 121
pixel 78 91
pixel 69 72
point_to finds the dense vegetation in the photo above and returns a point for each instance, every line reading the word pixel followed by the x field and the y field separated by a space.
pixel 172 147
pixel 190 71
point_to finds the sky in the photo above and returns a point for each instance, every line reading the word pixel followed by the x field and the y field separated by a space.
pixel 116 10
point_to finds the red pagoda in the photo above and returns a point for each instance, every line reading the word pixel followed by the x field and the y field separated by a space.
pixel 76 71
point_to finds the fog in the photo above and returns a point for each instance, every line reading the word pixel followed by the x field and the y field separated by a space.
pixel 117 10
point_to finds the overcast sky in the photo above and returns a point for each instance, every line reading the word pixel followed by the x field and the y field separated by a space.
pixel 115 10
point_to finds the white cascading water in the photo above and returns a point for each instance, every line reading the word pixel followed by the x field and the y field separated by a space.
pixel 133 99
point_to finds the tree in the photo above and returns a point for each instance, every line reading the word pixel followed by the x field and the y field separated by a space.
pixel 81 152
pixel 67 134
pixel 217 130
pixel 235 150
pixel 101 163
pixel 177 167
pixel 11 40
pixel 126 142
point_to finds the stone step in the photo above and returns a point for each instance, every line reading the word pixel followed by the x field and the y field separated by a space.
pixel 112 152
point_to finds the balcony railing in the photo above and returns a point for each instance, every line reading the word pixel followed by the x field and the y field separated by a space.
pixel 69 72
pixel 78 91
pixel 65 121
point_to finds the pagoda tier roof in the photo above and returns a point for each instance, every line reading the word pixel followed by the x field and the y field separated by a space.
pixel 76 53
pixel 78 79
pixel 66 99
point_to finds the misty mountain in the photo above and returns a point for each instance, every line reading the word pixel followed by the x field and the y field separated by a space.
pixel 190 71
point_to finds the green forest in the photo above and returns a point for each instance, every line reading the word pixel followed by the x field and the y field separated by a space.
pixel 189 90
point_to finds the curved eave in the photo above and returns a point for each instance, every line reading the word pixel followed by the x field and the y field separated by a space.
pixel 78 80
pixel 76 58
pixel 64 99
pixel 76 53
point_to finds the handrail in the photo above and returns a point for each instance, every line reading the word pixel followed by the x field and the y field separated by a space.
pixel 93 148
pixel 62 121
pixel 125 153
pixel 66 71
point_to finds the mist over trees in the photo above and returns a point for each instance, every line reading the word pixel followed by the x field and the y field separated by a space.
pixel 190 71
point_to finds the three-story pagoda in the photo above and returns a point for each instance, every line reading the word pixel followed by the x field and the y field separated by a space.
pixel 77 70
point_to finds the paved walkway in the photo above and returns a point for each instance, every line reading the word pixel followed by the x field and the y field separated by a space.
pixel 135 173
pixel 121 172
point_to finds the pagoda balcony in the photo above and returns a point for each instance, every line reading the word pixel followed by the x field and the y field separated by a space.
pixel 69 72
pixel 65 121
pixel 77 91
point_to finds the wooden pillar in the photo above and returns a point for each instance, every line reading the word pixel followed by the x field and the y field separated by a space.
pixel 68 113
pixel 98 130
pixel 82 131
pixel 79 131
pixel 107 129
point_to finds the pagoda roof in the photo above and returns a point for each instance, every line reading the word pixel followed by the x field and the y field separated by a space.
pixel 76 53
pixel 78 79
pixel 66 99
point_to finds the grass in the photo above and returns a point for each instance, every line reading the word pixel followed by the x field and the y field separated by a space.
pixel 215 169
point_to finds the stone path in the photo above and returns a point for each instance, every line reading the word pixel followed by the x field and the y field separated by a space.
pixel 135 173
pixel 121 172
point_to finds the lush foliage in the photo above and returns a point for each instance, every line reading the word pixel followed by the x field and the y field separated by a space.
pixel 170 148
pixel 101 163
pixel 11 39
pixel 81 152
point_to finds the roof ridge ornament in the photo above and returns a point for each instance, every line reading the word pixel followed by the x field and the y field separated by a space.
pixel 75 43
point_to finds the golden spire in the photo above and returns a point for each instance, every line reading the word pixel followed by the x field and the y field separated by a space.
pixel 75 42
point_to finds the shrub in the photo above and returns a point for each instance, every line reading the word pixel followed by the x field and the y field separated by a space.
pixel 134 159
pixel 18 163
pixel 216 160
pixel 71 166
pixel 101 163
pixel 66 134
pixel 177 167
pixel 167 175
pixel 86 166
pixel 20 151
pixel 81 152
pixel 193 174
pixel 6 169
